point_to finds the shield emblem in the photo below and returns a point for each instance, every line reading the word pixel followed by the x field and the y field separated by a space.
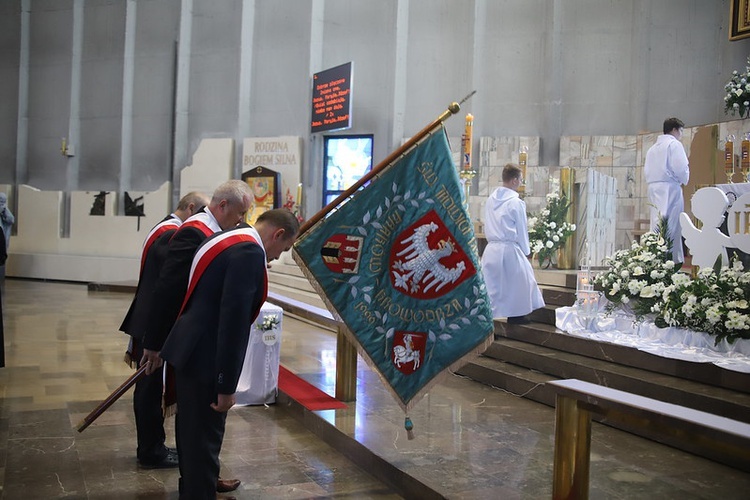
pixel 408 350
pixel 426 261
pixel 341 253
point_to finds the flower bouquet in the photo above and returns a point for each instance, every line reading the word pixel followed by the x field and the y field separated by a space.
pixel 548 231
pixel 269 322
pixel 714 302
pixel 737 99
pixel 637 277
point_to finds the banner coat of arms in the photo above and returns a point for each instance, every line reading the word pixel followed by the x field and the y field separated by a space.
pixel 397 263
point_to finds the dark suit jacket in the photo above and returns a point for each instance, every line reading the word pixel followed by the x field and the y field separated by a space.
pixel 137 317
pixel 171 286
pixel 212 332
pixel 3 249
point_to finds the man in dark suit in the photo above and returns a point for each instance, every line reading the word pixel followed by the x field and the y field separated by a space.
pixel 149 419
pixel 229 203
pixel 228 285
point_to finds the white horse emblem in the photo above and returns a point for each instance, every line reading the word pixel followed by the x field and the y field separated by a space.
pixel 403 354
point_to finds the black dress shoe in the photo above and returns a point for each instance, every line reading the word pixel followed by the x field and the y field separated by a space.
pixel 168 462
pixel 227 485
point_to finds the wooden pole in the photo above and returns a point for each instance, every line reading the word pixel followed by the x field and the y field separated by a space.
pixel 89 419
pixel 570 470
pixel 452 110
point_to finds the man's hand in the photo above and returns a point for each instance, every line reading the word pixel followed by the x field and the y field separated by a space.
pixel 225 402
pixel 153 360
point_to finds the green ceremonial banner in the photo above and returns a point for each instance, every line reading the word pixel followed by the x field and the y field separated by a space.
pixel 398 264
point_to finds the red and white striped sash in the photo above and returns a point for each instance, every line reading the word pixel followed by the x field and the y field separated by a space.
pixel 156 231
pixel 212 248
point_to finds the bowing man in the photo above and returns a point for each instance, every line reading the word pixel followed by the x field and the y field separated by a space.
pixel 227 287
pixel 149 419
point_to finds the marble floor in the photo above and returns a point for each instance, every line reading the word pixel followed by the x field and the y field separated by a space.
pixel 64 354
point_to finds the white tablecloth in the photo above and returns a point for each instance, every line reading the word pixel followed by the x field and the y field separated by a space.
pixel 734 191
pixel 259 380
pixel 620 328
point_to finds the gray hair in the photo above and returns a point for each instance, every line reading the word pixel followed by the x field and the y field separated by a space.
pixel 234 191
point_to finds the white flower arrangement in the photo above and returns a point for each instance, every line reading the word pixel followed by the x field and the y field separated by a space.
pixel 643 279
pixel 723 309
pixel 269 322
pixel 548 231
pixel 637 276
pixel 737 98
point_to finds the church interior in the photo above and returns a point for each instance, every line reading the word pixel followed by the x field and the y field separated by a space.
pixel 115 110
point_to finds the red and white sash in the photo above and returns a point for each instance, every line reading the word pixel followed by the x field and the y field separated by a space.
pixel 204 221
pixel 212 248
pixel 156 231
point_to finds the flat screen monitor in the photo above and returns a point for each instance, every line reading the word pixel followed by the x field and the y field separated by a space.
pixel 347 158
pixel 331 99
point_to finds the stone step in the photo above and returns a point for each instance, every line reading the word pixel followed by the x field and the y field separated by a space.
pixel 668 388
pixel 558 295
pixel 548 336
pixel 518 380
pixel 544 315
pixel 285 268
pixel 308 297
pixel 556 277
pixel 290 281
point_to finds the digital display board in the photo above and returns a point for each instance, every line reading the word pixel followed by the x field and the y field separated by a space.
pixel 347 159
pixel 331 99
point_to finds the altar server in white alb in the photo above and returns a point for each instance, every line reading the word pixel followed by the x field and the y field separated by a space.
pixel 666 170
pixel 513 290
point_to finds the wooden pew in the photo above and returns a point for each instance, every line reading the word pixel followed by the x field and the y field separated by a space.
pixel 577 400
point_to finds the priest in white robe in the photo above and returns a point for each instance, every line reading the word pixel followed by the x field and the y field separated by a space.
pixel 510 280
pixel 666 170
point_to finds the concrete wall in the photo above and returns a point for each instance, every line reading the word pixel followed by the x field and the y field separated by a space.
pixel 135 87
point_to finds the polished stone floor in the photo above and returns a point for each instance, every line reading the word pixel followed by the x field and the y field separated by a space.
pixel 64 354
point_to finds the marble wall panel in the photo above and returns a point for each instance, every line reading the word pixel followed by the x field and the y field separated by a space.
pixel 626 181
pixel 570 148
pixel 624 151
pixel 496 152
pixel 537 181
pixel 600 151
pixel 596 211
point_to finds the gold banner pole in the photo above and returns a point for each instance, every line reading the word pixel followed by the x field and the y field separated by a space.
pixel 567 256
pixel 452 110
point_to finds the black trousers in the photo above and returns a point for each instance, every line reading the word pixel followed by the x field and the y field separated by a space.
pixel 200 432
pixel 149 418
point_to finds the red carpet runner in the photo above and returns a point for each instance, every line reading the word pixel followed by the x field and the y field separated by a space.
pixel 305 393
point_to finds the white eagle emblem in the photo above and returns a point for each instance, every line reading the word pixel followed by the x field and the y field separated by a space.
pixel 420 265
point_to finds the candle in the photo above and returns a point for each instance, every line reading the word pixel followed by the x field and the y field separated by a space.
pixel 746 154
pixel 523 157
pixel 467 142
pixel 299 194
pixel 729 155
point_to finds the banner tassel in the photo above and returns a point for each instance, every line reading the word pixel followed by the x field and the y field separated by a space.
pixel 409 426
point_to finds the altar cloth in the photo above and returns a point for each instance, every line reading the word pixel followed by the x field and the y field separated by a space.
pixel 621 328
pixel 259 379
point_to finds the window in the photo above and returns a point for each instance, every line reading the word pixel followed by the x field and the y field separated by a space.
pixel 347 159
